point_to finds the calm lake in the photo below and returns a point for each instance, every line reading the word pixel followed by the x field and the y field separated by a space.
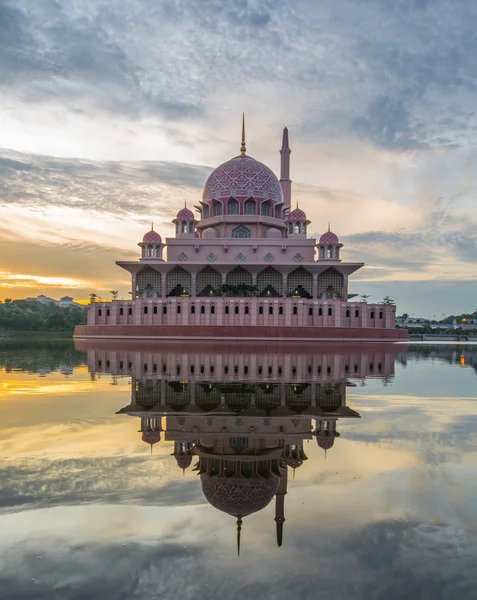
pixel 227 471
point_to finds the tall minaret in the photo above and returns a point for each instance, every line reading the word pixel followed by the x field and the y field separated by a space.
pixel 280 506
pixel 285 180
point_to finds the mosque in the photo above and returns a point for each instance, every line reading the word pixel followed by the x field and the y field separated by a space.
pixel 242 267
pixel 240 416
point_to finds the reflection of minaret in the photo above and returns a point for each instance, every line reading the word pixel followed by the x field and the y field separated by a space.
pixel 285 181
pixel 280 506
pixel 183 452
pixel 151 430
pixel 325 434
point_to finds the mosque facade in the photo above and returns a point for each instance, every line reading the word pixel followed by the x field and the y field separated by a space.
pixel 243 266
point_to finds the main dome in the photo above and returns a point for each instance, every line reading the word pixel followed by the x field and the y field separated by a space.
pixel 242 177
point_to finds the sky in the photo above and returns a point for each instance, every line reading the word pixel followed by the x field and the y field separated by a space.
pixel 114 113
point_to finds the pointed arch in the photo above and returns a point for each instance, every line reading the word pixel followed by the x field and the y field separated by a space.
pixel 330 283
pixel 239 276
pixel 208 282
pixel 149 283
pixel 300 283
pixel 250 207
pixel 232 206
pixel 178 282
pixel 241 232
pixel 270 283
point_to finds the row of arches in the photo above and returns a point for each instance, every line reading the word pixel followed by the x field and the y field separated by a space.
pixel 239 282
pixel 233 207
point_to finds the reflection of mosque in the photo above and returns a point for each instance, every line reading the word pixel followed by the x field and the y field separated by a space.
pixel 243 415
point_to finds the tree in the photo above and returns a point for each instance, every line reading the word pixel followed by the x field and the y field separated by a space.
pixel 364 297
pixel 388 300
pixel 93 297
pixel 114 294
pixel 8 300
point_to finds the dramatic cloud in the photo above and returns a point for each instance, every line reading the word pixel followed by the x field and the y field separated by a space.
pixel 379 97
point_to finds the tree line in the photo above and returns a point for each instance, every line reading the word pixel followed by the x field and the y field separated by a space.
pixel 31 315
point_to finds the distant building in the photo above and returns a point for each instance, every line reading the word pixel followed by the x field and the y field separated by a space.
pixel 45 299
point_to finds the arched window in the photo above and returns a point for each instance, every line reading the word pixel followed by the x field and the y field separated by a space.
pixel 205 211
pixel 280 310
pixel 158 252
pixel 232 207
pixel 149 250
pixel 164 310
pixel 154 310
pixel 226 310
pixel 270 310
pixel 217 209
pixel 100 312
pixel 202 310
pixel 320 312
pixel 212 310
pixel 356 313
pixel 330 311
pixel 260 310
pixel 297 228
pixel 184 227
pixel 322 252
pixel 372 314
pixel 250 207
pixel 295 310
pixel 380 314
pixel 108 312
pixel 192 309
pixel 265 208
pixel 236 310
pixel 121 311
pixel 241 232
pixel 290 227
pixel 246 309
pixel 178 309
pixel 129 311
pixel 337 252
pixel 310 312
pixel 347 312
pixel 191 227
pixel 329 252
pixel 145 310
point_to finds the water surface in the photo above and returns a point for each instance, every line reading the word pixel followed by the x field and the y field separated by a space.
pixel 141 470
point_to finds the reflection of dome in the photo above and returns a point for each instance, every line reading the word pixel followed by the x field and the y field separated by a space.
pixel 242 176
pixel 238 496
pixel 297 215
pixel 151 437
pixel 186 214
pixel 183 460
pixel 329 238
pixel 152 237
pixel 325 441
pixel 294 463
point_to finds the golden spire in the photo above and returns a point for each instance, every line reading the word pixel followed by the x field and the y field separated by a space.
pixel 243 149
pixel 185 202
pixel 152 225
pixel 329 229
pixel 239 528
pixel 297 202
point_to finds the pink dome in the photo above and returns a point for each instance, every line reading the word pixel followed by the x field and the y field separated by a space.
pixel 293 463
pixel 329 238
pixel 186 214
pixel 183 460
pixel 297 215
pixel 152 237
pixel 242 176
pixel 238 496
pixel 151 437
pixel 325 441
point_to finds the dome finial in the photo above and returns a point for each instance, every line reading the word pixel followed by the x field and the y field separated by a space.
pixel 329 226
pixel 297 202
pixel 239 528
pixel 152 225
pixel 185 202
pixel 243 149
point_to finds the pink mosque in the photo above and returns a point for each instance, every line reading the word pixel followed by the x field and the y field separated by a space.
pixel 244 268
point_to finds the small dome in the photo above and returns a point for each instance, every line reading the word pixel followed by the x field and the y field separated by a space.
pixel 243 176
pixel 151 437
pixel 274 233
pixel 325 441
pixel 294 463
pixel 183 460
pixel 209 233
pixel 152 237
pixel 185 214
pixel 329 238
pixel 297 215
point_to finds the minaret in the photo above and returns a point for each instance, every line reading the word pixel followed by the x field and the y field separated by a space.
pixel 285 180
pixel 280 506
